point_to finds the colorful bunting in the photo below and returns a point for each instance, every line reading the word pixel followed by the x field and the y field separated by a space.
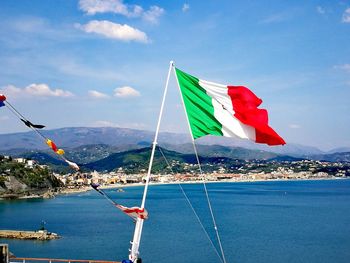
pixel 35 128
pixel 134 212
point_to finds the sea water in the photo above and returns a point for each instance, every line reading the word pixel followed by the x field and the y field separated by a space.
pixel 279 221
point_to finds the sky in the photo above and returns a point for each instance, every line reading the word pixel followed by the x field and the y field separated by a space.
pixel 72 63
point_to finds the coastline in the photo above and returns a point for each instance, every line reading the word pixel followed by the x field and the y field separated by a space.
pixel 112 186
pixel 68 191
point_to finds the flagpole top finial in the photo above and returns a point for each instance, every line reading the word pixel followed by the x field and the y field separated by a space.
pixel 172 63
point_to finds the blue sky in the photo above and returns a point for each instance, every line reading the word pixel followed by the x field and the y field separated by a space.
pixel 104 63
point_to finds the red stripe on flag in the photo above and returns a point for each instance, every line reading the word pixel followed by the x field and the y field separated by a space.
pixel 245 104
pixel 133 211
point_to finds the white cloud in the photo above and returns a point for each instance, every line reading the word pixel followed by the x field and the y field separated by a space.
pixel 185 7
pixel 37 90
pixel 97 95
pixel 114 31
pixel 125 92
pixel 294 126
pixel 153 14
pixel 320 10
pixel 92 7
pixel 44 90
pixel 10 90
pixel 345 67
pixel 346 16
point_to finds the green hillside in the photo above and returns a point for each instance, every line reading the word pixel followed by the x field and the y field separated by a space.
pixel 18 179
pixel 134 161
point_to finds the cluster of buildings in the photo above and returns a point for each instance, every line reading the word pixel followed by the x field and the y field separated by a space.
pixel 245 171
pixel 79 179
pixel 26 162
pixel 298 170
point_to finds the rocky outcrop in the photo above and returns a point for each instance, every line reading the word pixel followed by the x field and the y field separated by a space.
pixel 13 184
pixel 21 180
pixel 14 189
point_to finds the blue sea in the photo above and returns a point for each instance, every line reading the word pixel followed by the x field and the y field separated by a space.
pixel 280 221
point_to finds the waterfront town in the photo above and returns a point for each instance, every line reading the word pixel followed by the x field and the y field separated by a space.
pixel 253 170
pixel 118 177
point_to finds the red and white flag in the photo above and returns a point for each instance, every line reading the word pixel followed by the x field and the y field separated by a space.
pixel 134 212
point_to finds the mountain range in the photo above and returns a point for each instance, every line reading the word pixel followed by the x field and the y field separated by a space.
pixel 79 136
pixel 96 147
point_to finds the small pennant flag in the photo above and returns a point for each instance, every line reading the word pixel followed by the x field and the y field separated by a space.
pixel 2 99
pixel 51 144
pixel 73 165
pixel 29 124
pixel 134 212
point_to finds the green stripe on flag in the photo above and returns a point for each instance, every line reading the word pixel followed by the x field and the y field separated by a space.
pixel 199 107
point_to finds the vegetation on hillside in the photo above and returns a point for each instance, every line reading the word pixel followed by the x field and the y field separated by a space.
pixel 29 177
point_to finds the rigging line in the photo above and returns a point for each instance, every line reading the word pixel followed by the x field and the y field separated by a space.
pixel 191 206
pixel 107 197
pixel 18 114
pixel 209 203
pixel 200 169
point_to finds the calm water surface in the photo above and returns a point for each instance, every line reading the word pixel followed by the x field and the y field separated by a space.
pixel 294 221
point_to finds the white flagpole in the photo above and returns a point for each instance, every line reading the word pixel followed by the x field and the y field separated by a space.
pixel 134 252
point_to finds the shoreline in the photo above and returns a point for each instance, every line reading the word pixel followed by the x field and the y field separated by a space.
pixel 69 191
pixel 112 186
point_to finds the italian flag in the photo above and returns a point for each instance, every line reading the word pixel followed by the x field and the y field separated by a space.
pixel 222 110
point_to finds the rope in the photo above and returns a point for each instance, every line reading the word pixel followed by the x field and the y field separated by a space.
pixel 20 116
pixel 192 208
pixel 209 204
pixel 201 172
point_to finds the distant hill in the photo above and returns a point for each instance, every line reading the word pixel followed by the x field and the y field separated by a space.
pixel 136 160
pixel 81 136
pixel 91 147
pixel 74 137
pixel 90 153
pixel 340 150
pixel 292 149
pixel 43 158
pixel 94 152
pixel 334 157
pixel 223 151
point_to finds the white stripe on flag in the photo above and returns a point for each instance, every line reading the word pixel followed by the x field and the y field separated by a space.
pixel 223 111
